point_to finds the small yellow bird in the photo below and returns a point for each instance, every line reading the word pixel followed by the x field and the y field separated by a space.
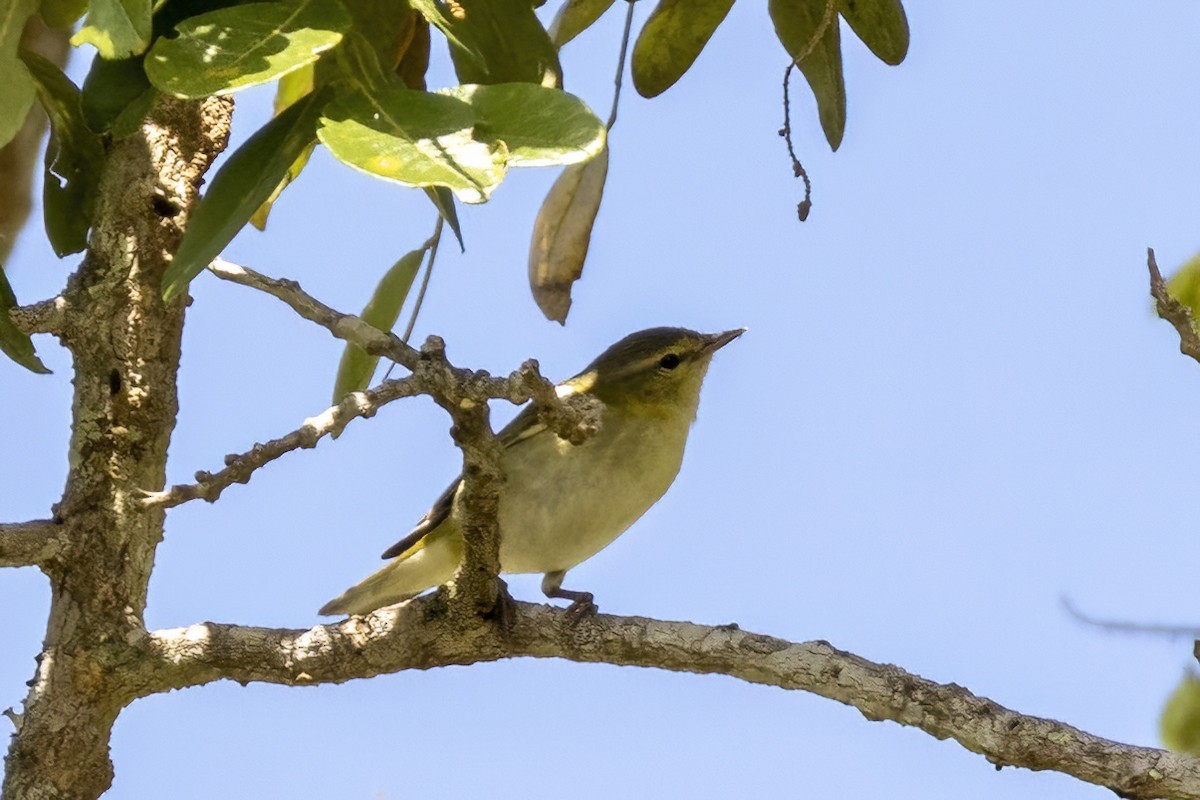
pixel 560 503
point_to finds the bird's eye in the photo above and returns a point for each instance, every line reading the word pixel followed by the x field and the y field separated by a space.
pixel 669 361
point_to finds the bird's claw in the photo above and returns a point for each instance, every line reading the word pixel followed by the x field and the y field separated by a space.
pixel 582 606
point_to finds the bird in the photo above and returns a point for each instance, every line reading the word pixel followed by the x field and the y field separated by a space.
pixel 561 503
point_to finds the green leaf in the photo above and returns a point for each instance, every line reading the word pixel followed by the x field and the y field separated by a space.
pixel 435 14
pixel 797 23
pixel 443 201
pixel 670 41
pixel 16 88
pixel 1179 725
pixel 13 343
pixel 110 88
pixel 415 61
pixel 574 17
pixel 356 367
pixel 292 87
pixel 116 28
pixel 233 48
pixel 412 138
pixel 74 158
pixel 507 44
pixel 882 26
pixel 130 118
pixel 240 187
pixel 62 13
pixel 536 126
pixel 562 233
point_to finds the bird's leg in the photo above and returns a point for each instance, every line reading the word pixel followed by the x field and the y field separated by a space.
pixel 581 602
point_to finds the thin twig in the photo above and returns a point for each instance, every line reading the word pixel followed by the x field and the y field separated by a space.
pixel 457 390
pixel 239 468
pixel 1120 626
pixel 432 245
pixel 1173 311
pixel 620 79
pixel 805 205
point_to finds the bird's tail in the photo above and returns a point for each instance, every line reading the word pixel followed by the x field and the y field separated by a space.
pixel 430 562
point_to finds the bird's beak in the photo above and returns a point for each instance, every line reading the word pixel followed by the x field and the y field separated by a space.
pixel 715 341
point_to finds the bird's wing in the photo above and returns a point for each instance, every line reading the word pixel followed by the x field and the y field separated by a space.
pixel 522 427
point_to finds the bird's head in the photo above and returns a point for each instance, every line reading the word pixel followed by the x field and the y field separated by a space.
pixel 655 372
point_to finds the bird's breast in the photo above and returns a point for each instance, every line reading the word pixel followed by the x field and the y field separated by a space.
pixel 563 503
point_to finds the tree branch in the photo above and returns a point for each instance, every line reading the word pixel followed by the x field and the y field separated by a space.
pixel 239 468
pixel 29 544
pixel 47 316
pixel 420 635
pixel 1173 311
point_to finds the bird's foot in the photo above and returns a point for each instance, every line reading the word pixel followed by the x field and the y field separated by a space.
pixel 582 606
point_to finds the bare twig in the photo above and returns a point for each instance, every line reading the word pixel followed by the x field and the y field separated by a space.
pixel 344 326
pixel 239 468
pixel 29 544
pixel 1173 311
pixel 414 636
pixel 830 15
pixel 1123 626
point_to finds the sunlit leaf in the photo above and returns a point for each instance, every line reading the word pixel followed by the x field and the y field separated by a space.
pixel 797 22
pixel 13 343
pixel 357 366
pixel 1179 724
pixel 116 28
pixel 413 138
pixel 574 17
pixel 535 125
pixel 74 158
pixel 882 26
pixel 241 46
pixel 16 88
pixel 562 233
pixel 507 44
pixel 670 41
pixel 240 187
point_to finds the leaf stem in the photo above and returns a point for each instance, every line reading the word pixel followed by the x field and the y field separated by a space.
pixel 431 244
pixel 612 117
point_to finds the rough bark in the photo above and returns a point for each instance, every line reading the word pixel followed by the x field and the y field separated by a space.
pixel 422 635
pixel 125 344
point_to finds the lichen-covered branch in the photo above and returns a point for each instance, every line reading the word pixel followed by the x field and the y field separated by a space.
pixel 421 635
pixel 45 317
pixel 29 544
pixel 1173 311
pixel 239 468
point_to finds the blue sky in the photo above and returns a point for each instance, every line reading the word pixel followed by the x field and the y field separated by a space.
pixel 954 406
